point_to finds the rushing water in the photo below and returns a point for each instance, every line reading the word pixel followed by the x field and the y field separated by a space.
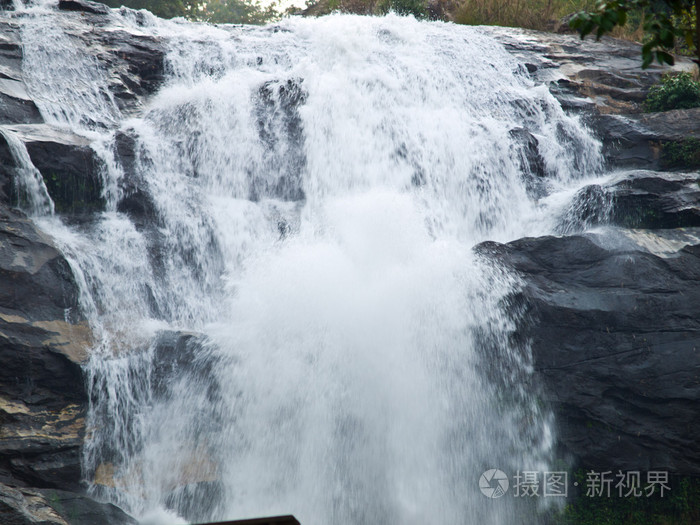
pixel 298 323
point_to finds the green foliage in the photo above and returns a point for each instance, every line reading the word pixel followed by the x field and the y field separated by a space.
pixel 674 92
pixel 682 154
pixel 162 8
pixel 679 506
pixel 416 8
pixel 236 12
pixel 665 22
pixel 215 11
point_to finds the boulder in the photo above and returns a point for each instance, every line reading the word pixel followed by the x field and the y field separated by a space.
pixel 68 165
pixel 641 199
pixel 95 8
pixel 134 197
pixel 616 343
pixel 43 341
pixel 653 201
pixel 638 141
pixel 21 506
pixel 135 62
pixel 17 106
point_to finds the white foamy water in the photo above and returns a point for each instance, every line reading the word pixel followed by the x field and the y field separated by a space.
pixel 313 190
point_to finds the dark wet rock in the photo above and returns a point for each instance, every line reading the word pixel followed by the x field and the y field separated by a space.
pixel 280 128
pixel 591 206
pixel 678 124
pixel 43 341
pixel 652 201
pixel 134 197
pixel 641 199
pixel 10 51
pixel 86 6
pixel 22 506
pixel 181 355
pixel 136 62
pixel 532 164
pixel 627 143
pixel 189 357
pixel 79 509
pixel 531 159
pixel 38 281
pixel 16 106
pixel 188 500
pixel 638 140
pixel 606 75
pixel 604 82
pixel 67 163
pixel 615 337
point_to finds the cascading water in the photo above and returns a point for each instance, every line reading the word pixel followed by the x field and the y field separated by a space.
pixel 292 320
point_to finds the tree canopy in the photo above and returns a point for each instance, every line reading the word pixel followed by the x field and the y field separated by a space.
pixel 216 11
pixel 665 23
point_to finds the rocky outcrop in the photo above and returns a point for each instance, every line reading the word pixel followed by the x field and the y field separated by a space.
pixel 640 140
pixel 133 66
pixel 43 341
pixel 22 506
pixel 640 199
pixel 611 317
pixel 84 6
pixel 617 344
pixel 68 165
pixel 43 336
pixel 602 76
pixel 603 81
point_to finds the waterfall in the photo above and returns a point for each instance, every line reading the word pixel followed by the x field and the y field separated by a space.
pixel 30 189
pixel 289 312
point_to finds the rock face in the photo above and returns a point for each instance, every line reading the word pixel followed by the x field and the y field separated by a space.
pixel 43 341
pixel 617 346
pixel 44 338
pixel 21 506
pixel 603 82
pixel 611 317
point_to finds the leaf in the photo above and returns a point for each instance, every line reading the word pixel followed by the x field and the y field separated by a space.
pixel 622 18
pixel 664 57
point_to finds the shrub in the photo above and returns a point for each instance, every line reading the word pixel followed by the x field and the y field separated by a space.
pixel 674 92
pixel 404 7
pixel 684 154
pixel 530 14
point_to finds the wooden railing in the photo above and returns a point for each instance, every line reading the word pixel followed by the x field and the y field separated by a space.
pixel 276 520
